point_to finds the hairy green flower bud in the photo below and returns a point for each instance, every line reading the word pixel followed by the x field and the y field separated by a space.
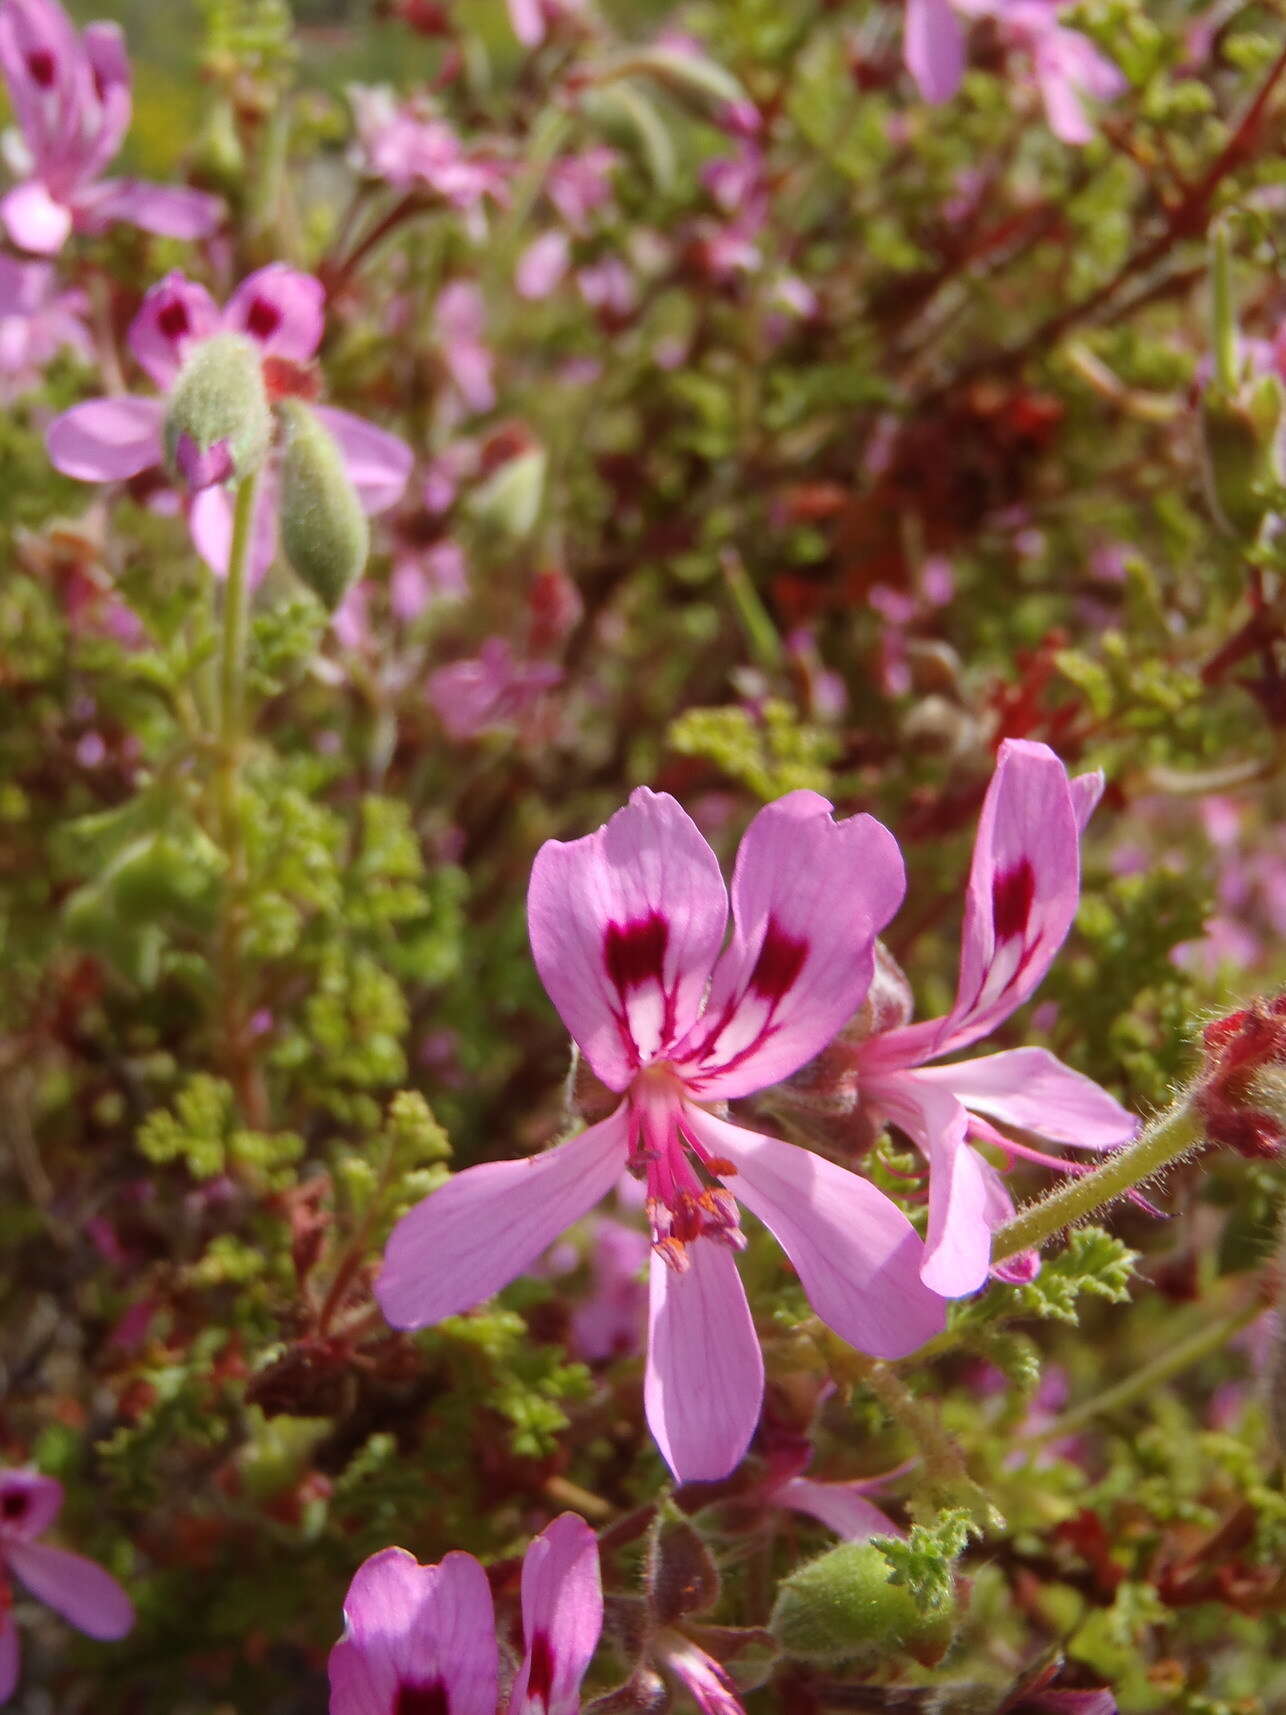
pixel 324 533
pixel 842 1609
pixel 219 423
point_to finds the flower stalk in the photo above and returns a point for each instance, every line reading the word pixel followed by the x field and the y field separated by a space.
pixel 1171 1136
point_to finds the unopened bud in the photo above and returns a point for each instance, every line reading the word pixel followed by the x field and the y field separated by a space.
pixel 509 501
pixel 1239 1093
pixel 681 1574
pixel 218 424
pixel 324 533
pixel 842 1609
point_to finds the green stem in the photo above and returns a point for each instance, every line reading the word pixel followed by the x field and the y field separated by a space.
pixel 240 1066
pixel 1223 317
pixel 1173 1135
pixel 1210 1338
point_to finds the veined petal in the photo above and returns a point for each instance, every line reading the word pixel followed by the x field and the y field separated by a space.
pixel 705 1372
pixel 706 1681
pixel 562 1617
pixel 378 464
pixel 857 1256
pixel 625 926
pixel 416 1638
pixel 1031 1089
pixel 10 1657
pixel 1023 889
pixel 957 1245
pixel 29 1504
pixel 809 896
pixel 489 1223
pixel 86 1596
pixel 106 440
pixel 35 220
pixel 281 308
pixel 933 47
pixel 841 1507
pixel 175 313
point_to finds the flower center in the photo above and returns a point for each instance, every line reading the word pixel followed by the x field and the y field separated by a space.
pixel 686 1200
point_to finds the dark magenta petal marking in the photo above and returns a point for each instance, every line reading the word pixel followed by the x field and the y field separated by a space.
pixel 431 1699
pixel 634 953
pixel 263 320
pixel 1012 895
pixel 540 1681
pixel 13 1503
pixel 173 319
pixel 781 958
pixel 40 63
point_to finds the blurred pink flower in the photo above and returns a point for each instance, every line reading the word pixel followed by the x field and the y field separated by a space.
pixel 532 20
pixel 115 438
pixel 408 144
pixel 71 98
pixel 491 689
pixel 460 320
pixel 37 321
pixel 86 1596
pixel 1068 67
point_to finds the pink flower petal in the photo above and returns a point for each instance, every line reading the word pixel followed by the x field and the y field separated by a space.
pixel 957 1246
pixel 490 1223
pixel 1086 790
pixel 170 211
pixel 47 73
pixel 1023 890
pixel 809 896
pixel 625 925
pixel 934 48
pixel 174 314
pixel 562 1617
pixel 282 309
pixel 841 1507
pixel 110 80
pixel 411 1628
pixel 35 220
pixel 542 265
pixel 86 1596
pixel 29 1504
pixel 706 1681
pixel 857 1255
pixel 1031 1089
pixel 10 1657
pixel 107 440
pixel 705 1372
pixel 378 464
pixel 210 516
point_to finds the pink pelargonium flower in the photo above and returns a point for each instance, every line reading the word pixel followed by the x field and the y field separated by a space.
pixel 1024 885
pixel 1068 67
pixel 421 1640
pixel 280 309
pixel 71 98
pixel 627 929
pixel 409 144
pixel 86 1596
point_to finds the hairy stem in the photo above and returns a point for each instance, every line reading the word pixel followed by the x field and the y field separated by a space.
pixel 240 1066
pixel 1170 1137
